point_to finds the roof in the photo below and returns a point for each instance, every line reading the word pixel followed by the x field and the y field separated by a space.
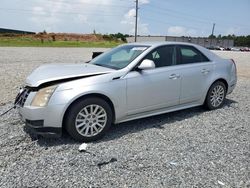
pixel 162 43
pixel 205 51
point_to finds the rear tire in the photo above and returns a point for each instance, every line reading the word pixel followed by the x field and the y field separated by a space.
pixel 88 119
pixel 216 96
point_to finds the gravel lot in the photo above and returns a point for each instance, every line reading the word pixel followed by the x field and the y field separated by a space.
pixel 189 148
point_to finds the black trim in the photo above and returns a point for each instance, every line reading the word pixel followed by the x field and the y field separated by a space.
pixel 35 123
pixel 232 85
pixel 95 54
pixel 116 78
pixel 36 127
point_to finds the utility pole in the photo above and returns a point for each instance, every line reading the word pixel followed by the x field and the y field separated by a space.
pixel 213 29
pixel 136 18
pixel 212 35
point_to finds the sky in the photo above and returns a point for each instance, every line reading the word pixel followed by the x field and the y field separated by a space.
pixel 155 17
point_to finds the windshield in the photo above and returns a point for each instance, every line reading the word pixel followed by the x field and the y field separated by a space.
pixel 119 57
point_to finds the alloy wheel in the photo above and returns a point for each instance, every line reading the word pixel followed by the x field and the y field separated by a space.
pixel 91 120
pixel 217 96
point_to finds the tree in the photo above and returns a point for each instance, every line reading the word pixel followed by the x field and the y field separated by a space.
pixel 212 36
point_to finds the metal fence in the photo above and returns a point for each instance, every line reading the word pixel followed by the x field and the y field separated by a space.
pixel 206 42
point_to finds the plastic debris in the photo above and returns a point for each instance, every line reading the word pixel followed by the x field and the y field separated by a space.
pixel 221 183
pixel 106 162
pixel 83 147
pixel 173 163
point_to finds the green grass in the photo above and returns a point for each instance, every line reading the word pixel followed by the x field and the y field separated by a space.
pixel 29 42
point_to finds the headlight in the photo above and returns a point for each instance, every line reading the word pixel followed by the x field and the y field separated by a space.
pixel 43 95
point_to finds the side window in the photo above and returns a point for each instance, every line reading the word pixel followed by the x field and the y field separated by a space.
pixel 189 54
pixel 163 56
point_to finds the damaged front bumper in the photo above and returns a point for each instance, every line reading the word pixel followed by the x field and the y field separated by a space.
pixel 45 121
pixel 37 127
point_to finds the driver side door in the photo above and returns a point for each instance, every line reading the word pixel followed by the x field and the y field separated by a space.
pixel 152 89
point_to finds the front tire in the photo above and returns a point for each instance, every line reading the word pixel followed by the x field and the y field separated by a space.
pixel 216 96
pixel 88 119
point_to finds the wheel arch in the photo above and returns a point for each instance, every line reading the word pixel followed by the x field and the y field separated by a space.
pixel 83 97
pixel 223 80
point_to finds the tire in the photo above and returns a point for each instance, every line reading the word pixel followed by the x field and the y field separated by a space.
pixel 216 96
pixel 88 119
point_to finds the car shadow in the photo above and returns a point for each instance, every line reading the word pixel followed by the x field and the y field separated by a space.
pixel 119 130
pixel 156 122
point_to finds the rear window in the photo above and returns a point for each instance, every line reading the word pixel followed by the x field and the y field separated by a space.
pixel 189 54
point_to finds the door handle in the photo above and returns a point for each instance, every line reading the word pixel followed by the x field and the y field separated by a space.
pixel 205 71
pixel 174 76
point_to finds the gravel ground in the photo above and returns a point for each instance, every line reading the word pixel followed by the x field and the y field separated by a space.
pixel 188 148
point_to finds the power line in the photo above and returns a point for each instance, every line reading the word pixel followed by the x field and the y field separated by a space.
pixel 156 9
pixel 88 3
pixel 178 16
pixel 57 12
pixel 157 21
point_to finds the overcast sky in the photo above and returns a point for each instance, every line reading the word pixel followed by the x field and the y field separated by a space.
pixel 156 17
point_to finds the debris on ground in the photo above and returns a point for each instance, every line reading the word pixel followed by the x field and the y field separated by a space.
pixel 100 164
pixel 83 147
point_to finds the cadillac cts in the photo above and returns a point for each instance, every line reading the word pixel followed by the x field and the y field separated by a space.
pixel 128 82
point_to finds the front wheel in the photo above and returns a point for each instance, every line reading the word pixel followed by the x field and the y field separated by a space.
pixel 88 119
pixel 216 95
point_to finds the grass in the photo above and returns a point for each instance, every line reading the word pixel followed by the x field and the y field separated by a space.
pixel 29 42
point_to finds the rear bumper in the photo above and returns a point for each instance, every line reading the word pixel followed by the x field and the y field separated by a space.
pixel 231 87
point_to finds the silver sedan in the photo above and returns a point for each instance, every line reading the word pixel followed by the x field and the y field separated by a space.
pixel 128 82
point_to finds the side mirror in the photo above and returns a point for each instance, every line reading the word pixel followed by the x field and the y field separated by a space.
pixel 146 64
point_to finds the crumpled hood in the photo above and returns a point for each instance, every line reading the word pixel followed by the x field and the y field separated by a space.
pixel 56 72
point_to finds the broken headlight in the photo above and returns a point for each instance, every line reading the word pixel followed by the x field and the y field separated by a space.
pixel 43 95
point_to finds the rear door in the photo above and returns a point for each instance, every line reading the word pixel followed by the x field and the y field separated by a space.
pixel 195 70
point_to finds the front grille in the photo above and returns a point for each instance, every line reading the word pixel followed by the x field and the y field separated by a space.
pixel 22 97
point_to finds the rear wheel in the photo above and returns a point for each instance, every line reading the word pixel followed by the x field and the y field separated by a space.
pixel 216 96
pixel 88 119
